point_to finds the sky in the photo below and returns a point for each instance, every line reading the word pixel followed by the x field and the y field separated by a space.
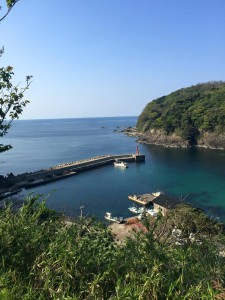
pixel 102 58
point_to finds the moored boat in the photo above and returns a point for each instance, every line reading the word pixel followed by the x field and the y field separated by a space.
pixel 136 210
pixel 121 164
pixel 108 216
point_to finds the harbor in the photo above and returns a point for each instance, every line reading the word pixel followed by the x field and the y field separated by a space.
pixel 14 184
pixel 140 211
pixel 159 201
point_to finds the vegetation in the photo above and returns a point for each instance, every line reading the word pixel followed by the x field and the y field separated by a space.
pixel 187 112
pixel 10 4
pixel 11 97
pixel 11 102
pixel 42 257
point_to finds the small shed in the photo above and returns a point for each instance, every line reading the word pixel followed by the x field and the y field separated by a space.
pixel 163 203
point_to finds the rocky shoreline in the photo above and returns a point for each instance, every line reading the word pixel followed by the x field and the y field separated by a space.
pixel 207 140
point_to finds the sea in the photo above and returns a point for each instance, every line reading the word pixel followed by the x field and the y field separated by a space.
pixel 196 176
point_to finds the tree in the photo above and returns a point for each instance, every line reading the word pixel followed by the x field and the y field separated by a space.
pixel 11 101
pixel 10 4
pixel 11 97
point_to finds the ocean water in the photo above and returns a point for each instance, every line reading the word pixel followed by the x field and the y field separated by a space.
pixel 198 175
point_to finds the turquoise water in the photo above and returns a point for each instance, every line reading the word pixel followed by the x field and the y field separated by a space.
pixel 196 174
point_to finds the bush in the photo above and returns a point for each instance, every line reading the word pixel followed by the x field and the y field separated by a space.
pixel 42 257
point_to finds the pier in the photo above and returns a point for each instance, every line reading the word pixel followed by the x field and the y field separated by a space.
pixel 143 199
pixel 65 170
pixel 161 202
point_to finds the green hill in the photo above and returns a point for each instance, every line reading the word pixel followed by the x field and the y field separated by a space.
pixel 195 115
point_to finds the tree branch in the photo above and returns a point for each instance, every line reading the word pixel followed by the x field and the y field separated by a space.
pixel 9 9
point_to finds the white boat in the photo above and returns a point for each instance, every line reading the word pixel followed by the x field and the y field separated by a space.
pixel 121 164
pixel 109 217
pixel 136 210
pixel 157 194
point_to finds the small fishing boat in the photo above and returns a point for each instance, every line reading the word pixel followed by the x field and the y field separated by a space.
pixel 108 216
pixel 157 194
pixel 121 164
pixel 136 210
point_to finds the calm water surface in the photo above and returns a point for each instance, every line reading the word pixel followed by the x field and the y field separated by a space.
pixel 198 175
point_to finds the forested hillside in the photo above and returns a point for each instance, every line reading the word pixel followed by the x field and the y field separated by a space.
pixel 192 113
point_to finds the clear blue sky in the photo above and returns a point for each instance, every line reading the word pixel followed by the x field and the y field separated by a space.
pixel 96 58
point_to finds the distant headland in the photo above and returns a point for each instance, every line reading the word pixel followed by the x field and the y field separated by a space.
pixel 189 117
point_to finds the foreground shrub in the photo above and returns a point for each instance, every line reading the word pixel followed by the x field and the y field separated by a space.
pixel 42 257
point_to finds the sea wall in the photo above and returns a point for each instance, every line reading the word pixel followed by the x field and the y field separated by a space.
pixel 28 180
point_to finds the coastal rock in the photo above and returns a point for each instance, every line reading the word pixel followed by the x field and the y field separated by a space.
pixel 209 140
pixel 131 131
pixel 158 137
pixel 212 140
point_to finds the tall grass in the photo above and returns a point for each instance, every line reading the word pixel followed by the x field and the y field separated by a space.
pixel 43 258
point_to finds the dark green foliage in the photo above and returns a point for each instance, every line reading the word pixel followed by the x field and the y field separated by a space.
pixel 10 3
pixel 11 102
pixel 187 111
pixel 42 257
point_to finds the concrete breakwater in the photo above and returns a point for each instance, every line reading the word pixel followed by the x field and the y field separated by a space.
pixel 29 180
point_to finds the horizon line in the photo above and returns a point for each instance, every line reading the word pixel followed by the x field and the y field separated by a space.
pixel 67 118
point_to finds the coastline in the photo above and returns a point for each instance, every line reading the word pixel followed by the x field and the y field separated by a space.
pixel 156 138
pixel 206 188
